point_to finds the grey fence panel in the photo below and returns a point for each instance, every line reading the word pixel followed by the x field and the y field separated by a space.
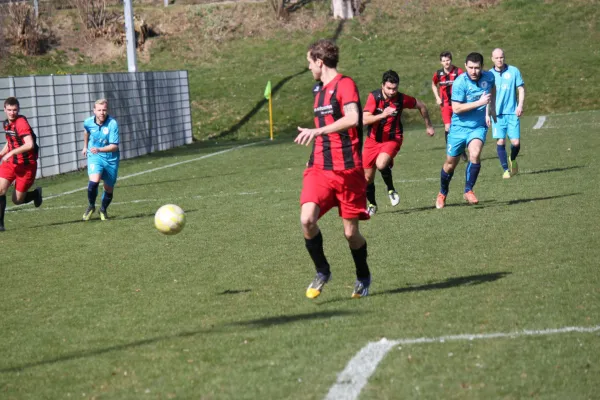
pixel 152 109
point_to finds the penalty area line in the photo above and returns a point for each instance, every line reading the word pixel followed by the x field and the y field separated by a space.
pixel 146 172
pixel 354 377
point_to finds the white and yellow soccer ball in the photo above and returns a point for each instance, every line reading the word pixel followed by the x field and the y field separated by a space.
pixel 169 219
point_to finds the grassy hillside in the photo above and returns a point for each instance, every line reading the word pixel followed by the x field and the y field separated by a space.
pixel 232 50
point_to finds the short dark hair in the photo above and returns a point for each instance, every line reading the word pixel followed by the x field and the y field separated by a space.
pixel 445 54
pixel 325 50
pixel 475 57
pixel 391 77
pixel 12 101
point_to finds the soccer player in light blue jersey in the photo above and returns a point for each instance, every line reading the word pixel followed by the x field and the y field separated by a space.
pixel 508 83
pixel 473 95
pixel 101 146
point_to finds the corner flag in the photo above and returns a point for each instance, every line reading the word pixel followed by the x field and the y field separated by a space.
pixel 268 97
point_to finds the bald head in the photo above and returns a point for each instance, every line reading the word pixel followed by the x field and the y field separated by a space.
pixel 498 58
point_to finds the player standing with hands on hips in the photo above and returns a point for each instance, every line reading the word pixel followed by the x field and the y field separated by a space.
pixel 101 146
pixel 334 176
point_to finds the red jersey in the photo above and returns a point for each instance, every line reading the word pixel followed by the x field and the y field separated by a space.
pixel 445 81
pixel 389 128
pixel 15 131
pixel 336 151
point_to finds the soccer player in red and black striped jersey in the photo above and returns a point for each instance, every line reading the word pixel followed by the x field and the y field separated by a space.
pixel 383 113
pixel 443 79
pixel 334 176
pixel 18 162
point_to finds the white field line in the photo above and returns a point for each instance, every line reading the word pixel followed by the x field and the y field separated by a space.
pixel 220 194
pixel 358 370
pixel 540 122
pixel 146 172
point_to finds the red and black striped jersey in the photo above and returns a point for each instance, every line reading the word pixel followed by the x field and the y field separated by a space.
pixel 336 151
pixel 445 81
pixel 389 128
pixel 15 131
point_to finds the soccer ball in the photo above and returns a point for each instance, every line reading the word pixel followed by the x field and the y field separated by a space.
pixel 169 219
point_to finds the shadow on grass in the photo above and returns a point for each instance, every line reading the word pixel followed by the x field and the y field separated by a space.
pixel 244 120
pixel 546 171
pixel 286 319
pixel 258 323
pixel 233 291
pixel 482 204
pixel 98 220
pixel 469 280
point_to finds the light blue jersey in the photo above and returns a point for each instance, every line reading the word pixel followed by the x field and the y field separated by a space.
pixel 507 82
pixel 105 164
pixel 101 136
pixel 465 90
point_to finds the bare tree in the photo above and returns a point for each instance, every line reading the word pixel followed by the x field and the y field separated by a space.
pixel 93 15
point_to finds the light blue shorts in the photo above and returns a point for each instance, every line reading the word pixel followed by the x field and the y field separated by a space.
pixel 459 138
pixel 108 170
pixel 508 124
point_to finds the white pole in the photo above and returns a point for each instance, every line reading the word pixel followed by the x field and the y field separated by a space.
pixel 166 3
pixel 36 8
pixel 130 37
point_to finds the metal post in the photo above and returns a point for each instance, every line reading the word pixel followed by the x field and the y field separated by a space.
pixel 36 8
pixel 130 36
pixel 166 3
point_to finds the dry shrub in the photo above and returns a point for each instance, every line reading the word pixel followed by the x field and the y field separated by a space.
pixel 94 16
pixel 22 29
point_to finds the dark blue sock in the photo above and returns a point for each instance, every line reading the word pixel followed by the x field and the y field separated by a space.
pixel 514 151
pixel 502 156
pixel 445 179
pixel 92 192
pixel 106 199
pixel 471 175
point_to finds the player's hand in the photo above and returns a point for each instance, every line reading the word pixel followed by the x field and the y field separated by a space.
pixel 389 111
pixel 485 99
pixel 6 157
pixel 94 150
pixel 519 111
pixel 488 121
pixel 84 153
pixel 439 102
pixel 430 131
pixel 305 136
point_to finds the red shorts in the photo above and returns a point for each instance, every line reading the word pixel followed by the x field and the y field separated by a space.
pixel 372 149
pixel 446 113
pixel 346 190
pixel 22 175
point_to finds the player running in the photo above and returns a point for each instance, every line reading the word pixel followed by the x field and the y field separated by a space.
pixel 101 146
pixel 473 102
pixel 334 176
pixel 383 113
pixel 18 159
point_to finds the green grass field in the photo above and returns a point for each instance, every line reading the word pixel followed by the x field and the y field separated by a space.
pixel 115 310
